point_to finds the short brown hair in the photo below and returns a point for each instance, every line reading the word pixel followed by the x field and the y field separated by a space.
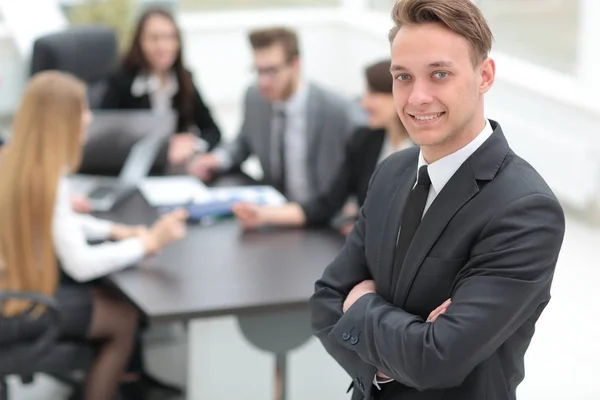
pixel 287 38
pixel 460 16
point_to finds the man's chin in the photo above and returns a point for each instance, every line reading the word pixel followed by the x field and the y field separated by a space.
pixel 269 97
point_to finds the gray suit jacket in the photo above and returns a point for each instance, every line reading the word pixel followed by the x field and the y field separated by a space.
pixel 328 128
pixel 489 241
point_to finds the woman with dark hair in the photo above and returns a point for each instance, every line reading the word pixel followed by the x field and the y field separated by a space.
pixel 384 135
pixel 153 76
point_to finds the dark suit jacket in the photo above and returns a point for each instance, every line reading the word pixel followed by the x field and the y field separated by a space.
pixel 489 241
pixel 118 96
pixel 352 178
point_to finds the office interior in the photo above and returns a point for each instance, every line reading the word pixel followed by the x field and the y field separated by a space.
pixel 546 96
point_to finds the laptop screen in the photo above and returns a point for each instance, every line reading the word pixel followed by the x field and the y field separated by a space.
pixel 140 159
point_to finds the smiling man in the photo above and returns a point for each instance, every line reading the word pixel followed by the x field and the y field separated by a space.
pixel 438 288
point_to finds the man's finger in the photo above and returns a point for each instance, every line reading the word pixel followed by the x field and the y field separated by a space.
pixel 439 310
pixel 434 314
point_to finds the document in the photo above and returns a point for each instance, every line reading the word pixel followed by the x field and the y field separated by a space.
pixel 172 190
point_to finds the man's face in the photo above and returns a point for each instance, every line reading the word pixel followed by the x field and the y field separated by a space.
pixel 276 74
pixel 437 90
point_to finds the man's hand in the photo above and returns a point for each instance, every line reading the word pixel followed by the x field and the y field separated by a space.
pixel 382 377
pixel 204 166
pixel 249 215
pixel 431 318
pixel 120 232
pixel 439 311
pixel 365 287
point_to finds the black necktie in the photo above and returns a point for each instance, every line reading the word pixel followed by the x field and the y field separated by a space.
pixel 411 217
pixel 280 125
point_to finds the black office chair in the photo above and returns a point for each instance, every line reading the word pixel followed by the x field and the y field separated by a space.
pixel 88 52
pixel 45 354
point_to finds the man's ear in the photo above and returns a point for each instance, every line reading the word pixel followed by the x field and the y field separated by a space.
pixel 487 71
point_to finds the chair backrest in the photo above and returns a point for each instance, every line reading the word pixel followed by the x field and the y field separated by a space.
pixel 88 52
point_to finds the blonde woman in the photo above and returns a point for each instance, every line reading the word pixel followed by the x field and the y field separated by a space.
pixel 43 242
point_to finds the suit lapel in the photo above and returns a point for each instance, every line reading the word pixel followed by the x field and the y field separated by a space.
pixel 406 180
pixel 458 191
pixel 483 165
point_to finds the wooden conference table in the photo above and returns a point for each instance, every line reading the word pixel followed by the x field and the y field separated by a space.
pixel 265 278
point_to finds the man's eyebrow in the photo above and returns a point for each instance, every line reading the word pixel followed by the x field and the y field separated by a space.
pixel 435 64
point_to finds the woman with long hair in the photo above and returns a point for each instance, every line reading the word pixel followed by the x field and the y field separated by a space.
pixel 153 76
pixel 370 144
pixel 43 242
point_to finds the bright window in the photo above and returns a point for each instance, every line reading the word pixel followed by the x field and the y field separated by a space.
pixel 540 31
pixel 202 5
pixel 544 32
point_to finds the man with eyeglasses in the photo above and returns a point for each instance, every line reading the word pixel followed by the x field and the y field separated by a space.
pixel 296 128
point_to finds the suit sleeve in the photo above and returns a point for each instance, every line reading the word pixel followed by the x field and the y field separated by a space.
pixel 203 119
pixel 506 282
pixel 232 155
pixel 347 270
pixel 320 209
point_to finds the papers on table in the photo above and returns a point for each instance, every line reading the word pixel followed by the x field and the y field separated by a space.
pixel 171 190
pixel 251 194
pixel 186 190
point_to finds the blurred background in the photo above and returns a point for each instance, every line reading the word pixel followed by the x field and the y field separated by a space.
pixel 547 98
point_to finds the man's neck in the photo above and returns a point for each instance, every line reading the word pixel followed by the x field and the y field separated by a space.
pixel 456 142
pixel 292 89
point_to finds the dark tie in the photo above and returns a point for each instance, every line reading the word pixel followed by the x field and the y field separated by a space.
pixel 411 217
pixel 279 134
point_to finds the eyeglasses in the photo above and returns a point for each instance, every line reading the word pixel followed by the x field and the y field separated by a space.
pixel 269 71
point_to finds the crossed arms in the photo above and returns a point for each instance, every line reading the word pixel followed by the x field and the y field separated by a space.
pixel 506 280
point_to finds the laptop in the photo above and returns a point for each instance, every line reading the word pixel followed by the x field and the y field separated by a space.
pixel 105 192
pixel 112 134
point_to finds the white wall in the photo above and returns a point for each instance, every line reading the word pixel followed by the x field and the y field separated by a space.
pixel 217 48
pixel 12 74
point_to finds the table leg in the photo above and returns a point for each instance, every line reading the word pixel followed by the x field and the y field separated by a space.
pixel 277 333
pixel 280 376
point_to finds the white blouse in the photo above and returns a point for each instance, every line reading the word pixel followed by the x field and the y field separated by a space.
pixel 161 96
pixel 80 260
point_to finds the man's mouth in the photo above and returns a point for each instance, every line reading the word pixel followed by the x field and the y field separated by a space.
pixel 426 117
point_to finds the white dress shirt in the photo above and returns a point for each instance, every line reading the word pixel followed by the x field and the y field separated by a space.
pixel 440 173
pixel 443 169
pixel 80 260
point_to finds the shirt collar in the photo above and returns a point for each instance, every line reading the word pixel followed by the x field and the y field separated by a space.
pixel 144 84
pixel 297 101
pixel 442 170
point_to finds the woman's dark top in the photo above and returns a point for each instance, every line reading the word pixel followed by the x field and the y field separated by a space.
pixel 362 155
pixel 119 96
